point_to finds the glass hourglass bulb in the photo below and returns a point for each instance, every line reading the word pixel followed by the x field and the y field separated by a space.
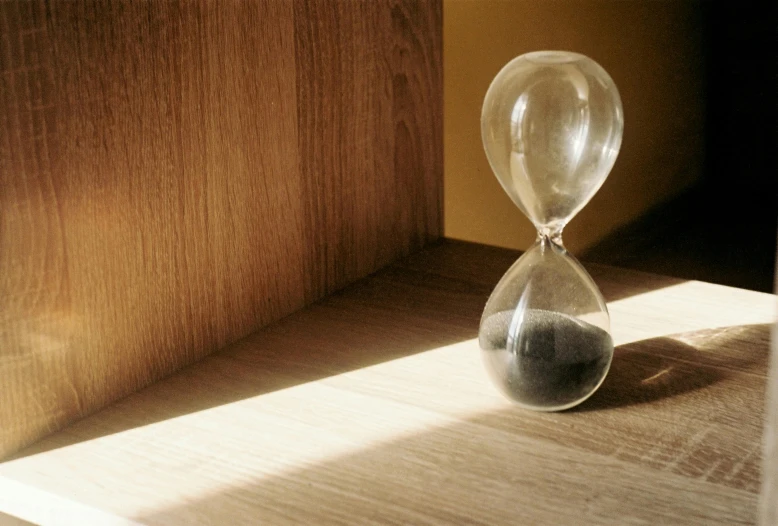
pixel 551 125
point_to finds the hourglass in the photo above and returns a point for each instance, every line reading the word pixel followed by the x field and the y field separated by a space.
pixel 551 125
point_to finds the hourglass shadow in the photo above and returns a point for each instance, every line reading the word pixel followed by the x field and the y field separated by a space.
pixel 660 368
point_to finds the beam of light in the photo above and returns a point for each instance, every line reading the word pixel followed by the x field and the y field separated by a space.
pixel 264 436
pixel 680 310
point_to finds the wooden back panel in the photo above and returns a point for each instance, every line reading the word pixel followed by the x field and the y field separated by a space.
pixel 174 175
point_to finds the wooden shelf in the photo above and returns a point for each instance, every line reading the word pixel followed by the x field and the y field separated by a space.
pixel 372 407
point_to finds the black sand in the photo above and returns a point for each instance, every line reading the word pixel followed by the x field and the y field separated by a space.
pixel 558 359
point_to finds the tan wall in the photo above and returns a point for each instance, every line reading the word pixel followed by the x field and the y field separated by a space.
pixel 652 49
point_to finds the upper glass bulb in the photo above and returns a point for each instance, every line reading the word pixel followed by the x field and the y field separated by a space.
pixel 551 124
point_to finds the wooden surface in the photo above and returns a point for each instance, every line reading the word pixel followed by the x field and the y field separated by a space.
pixel 372 407
pixel 8 520
pixel 175 175
pixel 769 497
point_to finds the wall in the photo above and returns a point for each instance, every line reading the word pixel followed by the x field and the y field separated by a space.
pixel 175 175
pixel 653 51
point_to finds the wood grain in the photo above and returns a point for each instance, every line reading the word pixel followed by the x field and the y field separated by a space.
pixel 372 407
pixel 175 175
pixel 769 496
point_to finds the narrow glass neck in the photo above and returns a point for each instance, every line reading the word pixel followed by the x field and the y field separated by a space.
pixel 550 235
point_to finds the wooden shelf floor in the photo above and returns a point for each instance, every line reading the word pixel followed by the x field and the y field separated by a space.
pixel 372 407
